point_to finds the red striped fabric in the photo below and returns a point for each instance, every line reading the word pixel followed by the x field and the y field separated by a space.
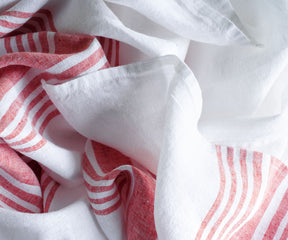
pixel 33 51
pixel 251 188
pixel 113 182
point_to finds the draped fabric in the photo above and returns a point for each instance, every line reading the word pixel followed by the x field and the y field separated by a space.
pixel 144 120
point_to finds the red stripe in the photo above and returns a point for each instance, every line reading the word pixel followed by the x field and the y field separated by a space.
pixel 50 18
pixel 47 120
pixel 8 45
pixel 24 120
pixel 10 25
pixel 44 42
pixel 28 138
pixel 284 235
pixel 50 197
pixel 17 14
pixel 12 164
pixel 19 43
pixel 13 204
pixel 105 199
pixel 99 189
pixel 278 171
pixel 32 28
pixel 219 197
pixel 88 168
pixel 36 147
pixel 244 176
pixel 41 111
pixel 110 51
pixel 140 210
pixel 231 195
pixel 117 53
pixel 277 218
pixel 108 210
pixel 9 76
pixel 28 197
pixel 46 182
pixel 257 177
pixel 40 21
pixel 31 42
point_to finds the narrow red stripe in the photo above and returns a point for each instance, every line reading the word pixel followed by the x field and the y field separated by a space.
pixel 45 183
pixel 231 194
pixel 28 138
pixel 219 197
pixel 284 235
pixel 30 27
pixel 105 199
pixel 108 210
pixel 110 51
pixel 257 182
pixel 40 112
pixel 28 197
pixel 50 197
pixel 24 120
pixel 98 189
pixel 278 171
pixel 117 53
pixel 19 43
pixel 40 21
pixel 44 42
pixel 50 18
pixel 7 45
pixel 244 177
pixel 17 14
pixel 13 204
pixel 10 25
pixel 47 120
pixel 277 218
pixel 31 42
pixel 36 147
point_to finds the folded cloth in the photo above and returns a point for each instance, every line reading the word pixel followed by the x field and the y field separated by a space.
pixel 147 150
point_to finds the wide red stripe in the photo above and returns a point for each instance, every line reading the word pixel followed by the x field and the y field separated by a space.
pixel 219 197
pixel 9 76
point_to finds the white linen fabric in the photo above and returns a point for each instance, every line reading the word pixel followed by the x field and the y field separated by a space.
pixel 143 119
